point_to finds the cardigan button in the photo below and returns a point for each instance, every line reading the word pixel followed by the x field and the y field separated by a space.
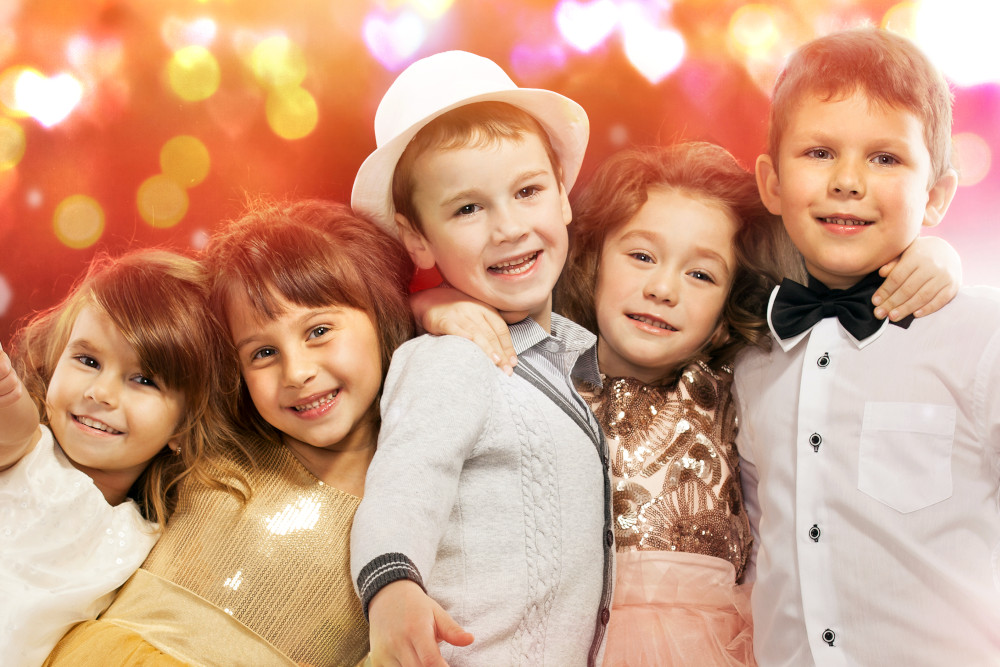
pixel 605 615
pixel 609 537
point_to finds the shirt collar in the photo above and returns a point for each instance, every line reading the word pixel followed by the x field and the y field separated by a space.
pixel 571 338
pixel 788 343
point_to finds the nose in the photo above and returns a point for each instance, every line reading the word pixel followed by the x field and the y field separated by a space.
pixel 103 390
pixel 848 180
pixel 298 368
pixel 508 226
pixel 661 285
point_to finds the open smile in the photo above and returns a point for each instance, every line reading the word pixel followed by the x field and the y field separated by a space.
pixel 846 222
pixel 515 266
pixel 95 425
pixel 317 404
pixel 651 322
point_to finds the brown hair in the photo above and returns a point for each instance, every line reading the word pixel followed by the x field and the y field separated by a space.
pixel 158 301
pixel 477 124
pixel 311 253
pixel 888 69
pixel 620 187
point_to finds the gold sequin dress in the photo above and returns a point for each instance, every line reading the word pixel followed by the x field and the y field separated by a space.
pixel 682 535
pixel 268 584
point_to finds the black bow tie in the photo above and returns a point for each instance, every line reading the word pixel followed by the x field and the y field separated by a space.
pixel 797 307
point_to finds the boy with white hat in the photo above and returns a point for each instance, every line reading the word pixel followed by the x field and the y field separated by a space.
pixel 488 494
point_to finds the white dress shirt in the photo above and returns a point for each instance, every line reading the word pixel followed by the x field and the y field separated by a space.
pixel 871 473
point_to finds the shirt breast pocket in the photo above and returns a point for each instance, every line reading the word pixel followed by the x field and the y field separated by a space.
pixel 905 455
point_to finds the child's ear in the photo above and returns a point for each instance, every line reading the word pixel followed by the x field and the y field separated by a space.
pixel 415 243
pixel 566 210
pixel 767 184
pixel 939 198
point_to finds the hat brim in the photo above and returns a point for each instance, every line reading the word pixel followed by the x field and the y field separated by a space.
pixel 563 120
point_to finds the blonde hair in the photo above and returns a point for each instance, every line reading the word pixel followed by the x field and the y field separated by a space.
pixel 158 301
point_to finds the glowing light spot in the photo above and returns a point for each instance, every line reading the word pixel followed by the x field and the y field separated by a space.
pixel 618 135
pixel 78 221
pixel 49 100
pixel 178 33
pixel 6 295
pixel 901 19
pixel 34 198
pixel 654 52
pixel 12 144
pixel 278 62
pixel 185 160
pixel 193 73
pixel 432 9
pixel 753 30
pixel 301 516
pixel 393 42
pixel 291 112
pixel 161 202
pixel 586 25
pixel 972 157
pixel 959 36
pixel 199 239
pixel 8 81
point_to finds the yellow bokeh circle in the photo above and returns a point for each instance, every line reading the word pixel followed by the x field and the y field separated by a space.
pixel 278 62
pixel 185 160
pixel 193 73
pixel 291 112
pixel 78 221
pixel 161 201
pixel 12 144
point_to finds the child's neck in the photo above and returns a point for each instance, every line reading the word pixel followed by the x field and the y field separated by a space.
pixel 112 486
pixel 342 465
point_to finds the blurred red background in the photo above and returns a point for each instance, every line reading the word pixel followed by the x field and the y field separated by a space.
pixel 128 124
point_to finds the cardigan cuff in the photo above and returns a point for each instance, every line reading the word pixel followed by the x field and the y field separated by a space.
pixel 382 571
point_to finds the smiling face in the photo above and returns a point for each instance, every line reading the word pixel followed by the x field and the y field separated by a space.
pixel 109 417
pixel 853 185
pixel 663 281
pixel 312 373
pixel 494 222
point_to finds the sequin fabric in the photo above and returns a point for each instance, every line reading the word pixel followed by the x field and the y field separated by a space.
pixel 280 565
pixel 674 464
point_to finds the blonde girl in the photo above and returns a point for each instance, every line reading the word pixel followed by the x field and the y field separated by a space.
pixel 114 396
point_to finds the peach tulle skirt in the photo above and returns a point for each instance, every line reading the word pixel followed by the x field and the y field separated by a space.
pixel 673 609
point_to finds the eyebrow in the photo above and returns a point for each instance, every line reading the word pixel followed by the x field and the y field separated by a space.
pixel 655 238
pixel 332 310
pixel 471 193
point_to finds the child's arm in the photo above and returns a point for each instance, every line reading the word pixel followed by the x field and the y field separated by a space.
pixel 406 625
pixel 922 280
pixel 18 415
pixel 446 311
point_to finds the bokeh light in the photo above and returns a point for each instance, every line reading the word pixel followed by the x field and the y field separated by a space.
pixel 78 221
pixel 753 30
pixel 585 26
pixel 960 36
pixel 185 160
pixel 193 73
pixel 12 143
pixel 393 41
pixel 161 201
pixel 49 100
pixel 278 62
pixel 972 157
pixel 6 295
pixel 292 112
pixel 8 83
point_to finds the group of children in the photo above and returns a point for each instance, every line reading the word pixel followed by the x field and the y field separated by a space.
pixel 540 488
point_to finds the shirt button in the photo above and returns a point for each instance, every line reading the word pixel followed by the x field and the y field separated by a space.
pixel 814 533
pixel 823 361
pixel 605 616
pixel 609 538
pixel 829 636
pixel 815 440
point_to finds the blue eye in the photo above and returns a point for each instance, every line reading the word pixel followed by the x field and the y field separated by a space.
pixel 641 256
pixel 819 153
pixel 319 331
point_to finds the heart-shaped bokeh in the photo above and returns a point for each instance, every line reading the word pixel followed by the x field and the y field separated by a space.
pixel 586 25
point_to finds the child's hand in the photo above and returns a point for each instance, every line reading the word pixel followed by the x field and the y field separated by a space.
pixel 446 311
pixel 406 625
pixel 922 280
pixel 10 385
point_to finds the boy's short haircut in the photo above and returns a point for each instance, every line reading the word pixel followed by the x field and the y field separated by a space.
pixel 478 124
pixel 887 68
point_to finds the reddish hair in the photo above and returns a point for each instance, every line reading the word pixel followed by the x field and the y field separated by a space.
pixel 620 187
pixel 158 300
pixel 314 254
pixel 888 69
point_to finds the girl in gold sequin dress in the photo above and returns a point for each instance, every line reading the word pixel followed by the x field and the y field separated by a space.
pixel 315 301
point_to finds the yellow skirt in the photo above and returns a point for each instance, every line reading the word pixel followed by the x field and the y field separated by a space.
pixel 99 644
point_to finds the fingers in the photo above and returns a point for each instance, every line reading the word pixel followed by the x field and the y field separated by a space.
pixel 450 631
pixel 10 383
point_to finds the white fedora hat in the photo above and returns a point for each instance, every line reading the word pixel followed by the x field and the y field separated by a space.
pixel 442 82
